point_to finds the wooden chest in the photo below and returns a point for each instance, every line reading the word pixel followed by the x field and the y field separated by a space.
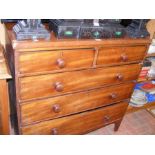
pixel 73 86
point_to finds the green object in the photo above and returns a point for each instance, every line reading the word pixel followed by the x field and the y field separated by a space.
pixel 96 34
pixel 118 33
pixel 68 33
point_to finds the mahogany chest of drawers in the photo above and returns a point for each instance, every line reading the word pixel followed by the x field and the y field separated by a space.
pixel 73 86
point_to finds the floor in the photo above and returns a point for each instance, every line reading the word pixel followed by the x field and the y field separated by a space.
pixel 136 123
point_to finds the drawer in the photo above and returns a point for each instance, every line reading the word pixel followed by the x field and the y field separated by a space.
pixel 61 83
pixel 120 55
pixel 69 104
pixel 47 61
pixel 80 123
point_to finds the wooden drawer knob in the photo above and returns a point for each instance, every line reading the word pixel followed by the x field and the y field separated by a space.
pixel 106 118
pixel 124 57
pixel 54 131
pixel 58 86
pixel 60 62
pixel 119 77
pixel 113 95
pixel 56 108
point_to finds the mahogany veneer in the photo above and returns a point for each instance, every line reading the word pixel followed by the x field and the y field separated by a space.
pixel 73 86
pixel 79 123
pixel 55 107
pixel 57 84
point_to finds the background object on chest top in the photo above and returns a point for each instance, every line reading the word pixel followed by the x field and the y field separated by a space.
pixel 30 29
pixel 137 29
pixel 87 29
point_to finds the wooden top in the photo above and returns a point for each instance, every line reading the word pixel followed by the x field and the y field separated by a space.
pixel 4 70
pixel 54 43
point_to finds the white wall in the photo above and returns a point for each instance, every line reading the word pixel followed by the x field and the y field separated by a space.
pixel 2 34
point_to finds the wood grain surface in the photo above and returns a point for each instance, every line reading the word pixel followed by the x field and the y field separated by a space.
pixel 121 55
pixel 44 61
pixel 80 123
pixel 69 104
pixel 4 97
pixel 4 70
pixel 61 83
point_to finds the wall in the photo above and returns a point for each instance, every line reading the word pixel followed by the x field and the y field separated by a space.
pixel 151 28
pixel 2 34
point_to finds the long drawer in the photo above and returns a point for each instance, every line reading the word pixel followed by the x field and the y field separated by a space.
pixel 46 61
pixel 80 123
pixel 120 55
pixel 61 83
pixel 65 105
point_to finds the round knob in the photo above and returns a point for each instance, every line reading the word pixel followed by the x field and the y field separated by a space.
pixel 113 95
pixel 58 86
pixel 106 118
pixel 56 108
pixel 54 131
pixel 119 77
pixel 61 63
pixel 124 57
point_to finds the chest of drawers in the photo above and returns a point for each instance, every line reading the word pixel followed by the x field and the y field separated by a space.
pixel 73 86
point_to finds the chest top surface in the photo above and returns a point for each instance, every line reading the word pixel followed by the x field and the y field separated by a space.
pixel 54 43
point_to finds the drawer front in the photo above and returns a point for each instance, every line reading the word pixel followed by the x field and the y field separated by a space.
pixel 110 56
pixel 69 104
pixel 47 61
pixel 80 123
pixel 61 83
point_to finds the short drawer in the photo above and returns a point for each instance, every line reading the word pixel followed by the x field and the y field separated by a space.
pixel 80 123
pixel 120 55
pixel 69 104
pixel 61 83
pixel 48 61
